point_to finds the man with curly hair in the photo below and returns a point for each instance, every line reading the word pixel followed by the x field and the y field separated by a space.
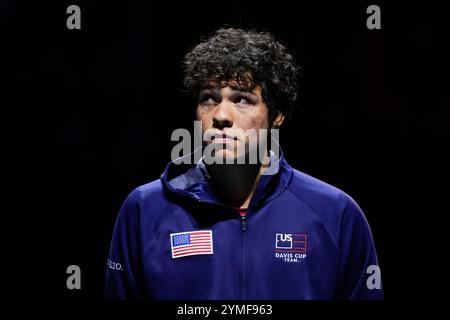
pixel 241 230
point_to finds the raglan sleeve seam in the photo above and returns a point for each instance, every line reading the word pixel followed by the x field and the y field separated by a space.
pixel 321 220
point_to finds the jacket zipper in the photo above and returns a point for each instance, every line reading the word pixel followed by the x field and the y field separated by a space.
pixel 244 228
pixel 244 223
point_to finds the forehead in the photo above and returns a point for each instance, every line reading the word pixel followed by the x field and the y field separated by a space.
pixel 233 84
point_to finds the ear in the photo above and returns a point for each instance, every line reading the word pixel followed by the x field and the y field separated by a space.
pixel 278 121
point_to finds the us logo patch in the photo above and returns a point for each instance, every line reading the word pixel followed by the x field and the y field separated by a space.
pixel 291 247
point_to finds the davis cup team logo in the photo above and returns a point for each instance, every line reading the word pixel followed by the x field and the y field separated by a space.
pixel 291 247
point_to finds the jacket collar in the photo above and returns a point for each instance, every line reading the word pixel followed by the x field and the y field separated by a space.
pixel 191 181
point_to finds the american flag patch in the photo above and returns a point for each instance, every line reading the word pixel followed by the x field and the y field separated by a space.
pixel 191 243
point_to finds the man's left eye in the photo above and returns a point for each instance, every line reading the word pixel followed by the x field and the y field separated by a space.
pixel 243 100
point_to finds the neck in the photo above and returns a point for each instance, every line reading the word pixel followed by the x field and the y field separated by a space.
pixel 235 184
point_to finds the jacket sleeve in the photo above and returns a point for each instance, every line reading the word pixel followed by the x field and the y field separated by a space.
pixel 123 268
pixel 359 273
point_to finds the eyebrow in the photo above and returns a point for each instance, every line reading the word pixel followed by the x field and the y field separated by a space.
pixel 236 87
pixel 234 90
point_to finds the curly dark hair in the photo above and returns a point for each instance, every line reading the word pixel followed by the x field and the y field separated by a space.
pixel 250 59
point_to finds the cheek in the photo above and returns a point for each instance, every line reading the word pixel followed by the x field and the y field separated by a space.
pixel 205 118
pixel 199 114
pixel 255 123
pixel 259 122
pixel 202 115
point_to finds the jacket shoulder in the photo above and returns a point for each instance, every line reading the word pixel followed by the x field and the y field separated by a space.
pixel 330 204
pixel 147 203
pixel 314 191
pixel 147 191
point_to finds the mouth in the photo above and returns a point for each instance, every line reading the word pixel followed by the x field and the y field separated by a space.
pixel 223 139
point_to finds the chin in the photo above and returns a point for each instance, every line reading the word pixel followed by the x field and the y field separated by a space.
pixel 226 155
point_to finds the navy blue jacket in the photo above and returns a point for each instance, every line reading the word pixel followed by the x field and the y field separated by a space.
pixel 303 239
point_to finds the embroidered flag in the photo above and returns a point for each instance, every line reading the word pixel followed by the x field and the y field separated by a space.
pixel 191 243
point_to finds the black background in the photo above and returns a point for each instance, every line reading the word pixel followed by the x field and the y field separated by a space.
pixel 91 112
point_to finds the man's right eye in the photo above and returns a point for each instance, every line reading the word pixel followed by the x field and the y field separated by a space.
pixel 207 99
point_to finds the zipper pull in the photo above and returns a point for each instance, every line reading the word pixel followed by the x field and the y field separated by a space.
pixel 243 223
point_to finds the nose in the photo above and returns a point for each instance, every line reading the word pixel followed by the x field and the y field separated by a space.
pixel 223 117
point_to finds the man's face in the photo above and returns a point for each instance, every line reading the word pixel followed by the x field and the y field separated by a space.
pixel 228 112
